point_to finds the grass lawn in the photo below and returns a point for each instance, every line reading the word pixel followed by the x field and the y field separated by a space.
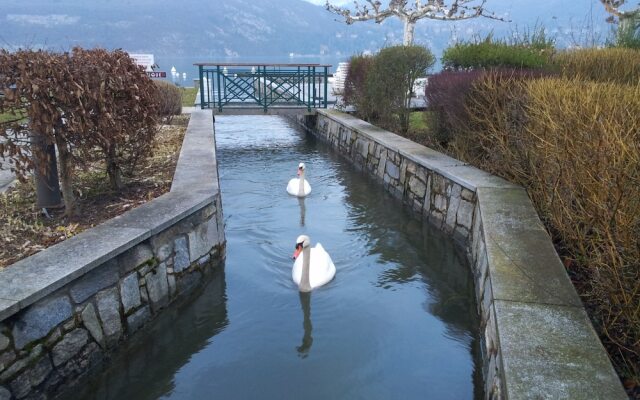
pixel 417 122
pixel 189 96
pixel 6 117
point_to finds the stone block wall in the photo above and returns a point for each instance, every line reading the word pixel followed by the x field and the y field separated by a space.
pixel 70 306
pixel 537 340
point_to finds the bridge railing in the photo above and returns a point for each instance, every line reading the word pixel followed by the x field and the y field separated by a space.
pixel 262 86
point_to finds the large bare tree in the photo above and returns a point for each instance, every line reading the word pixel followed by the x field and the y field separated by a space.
pixel 613 8
pixel 628 21
pixel 409 14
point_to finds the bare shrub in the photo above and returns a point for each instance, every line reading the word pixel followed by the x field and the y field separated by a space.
pixel 169 98
pixel 43 87
pixel 619 65
pixel 445 94
pixel 390 82
pixel 87 100
pixel 119 101
pixel 575 145
pixel 355 86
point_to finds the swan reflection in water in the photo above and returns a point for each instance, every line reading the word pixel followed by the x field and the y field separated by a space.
pixel 303 210
pixel 307 339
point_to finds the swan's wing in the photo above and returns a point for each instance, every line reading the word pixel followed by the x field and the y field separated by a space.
pixel 307 187
pixel 323 269
pixel 292 187
pixel 320 254
pixel 296 271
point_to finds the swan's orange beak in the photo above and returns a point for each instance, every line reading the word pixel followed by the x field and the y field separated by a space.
pixel 296 253
pixel 299 171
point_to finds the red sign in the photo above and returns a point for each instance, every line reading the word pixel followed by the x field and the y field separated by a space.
pixel 156 74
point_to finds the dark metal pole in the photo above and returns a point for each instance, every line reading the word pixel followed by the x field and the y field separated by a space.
pixel 219 92
pixel 202 105
pixel 325 87
pixel 45 173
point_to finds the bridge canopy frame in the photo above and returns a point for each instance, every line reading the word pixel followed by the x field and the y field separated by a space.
pixel 262 88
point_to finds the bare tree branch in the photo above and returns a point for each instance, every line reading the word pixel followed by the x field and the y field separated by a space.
pixel 613 8
pixel 410 14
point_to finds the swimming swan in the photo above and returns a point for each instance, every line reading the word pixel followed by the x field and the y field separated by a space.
pixel 299 186
pixel 314 268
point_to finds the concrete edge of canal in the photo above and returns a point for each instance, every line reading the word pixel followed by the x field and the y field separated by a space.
pixel 66 309
pixel 537 340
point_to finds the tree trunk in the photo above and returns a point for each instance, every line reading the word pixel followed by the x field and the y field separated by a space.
pixel 113 170
pixel 409 27
pixel 66 178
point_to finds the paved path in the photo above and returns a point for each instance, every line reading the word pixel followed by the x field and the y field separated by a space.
pixel 6 179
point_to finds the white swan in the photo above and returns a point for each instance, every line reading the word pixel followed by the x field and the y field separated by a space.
pixel 299 186
pixel 314 268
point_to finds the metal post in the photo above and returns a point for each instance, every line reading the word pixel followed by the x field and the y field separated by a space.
pixel 300 79
pixel 219 91
pixel 45 175
pixel 265 88
pixel 314 87
pixel 201 75
pixel 325 86
pixel 309 88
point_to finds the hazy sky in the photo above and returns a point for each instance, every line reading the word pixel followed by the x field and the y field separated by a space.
pixel 334 2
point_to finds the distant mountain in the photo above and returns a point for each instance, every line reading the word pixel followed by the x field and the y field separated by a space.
pixel 243 29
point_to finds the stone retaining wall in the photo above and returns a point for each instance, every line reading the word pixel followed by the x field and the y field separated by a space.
pixel 537 340
pixel 65 309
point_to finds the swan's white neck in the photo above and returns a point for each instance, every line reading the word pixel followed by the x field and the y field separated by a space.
pixel 305 285
pixel 301 184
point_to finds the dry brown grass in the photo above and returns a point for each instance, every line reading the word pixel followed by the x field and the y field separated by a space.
pixel 575 146
pixel 24 230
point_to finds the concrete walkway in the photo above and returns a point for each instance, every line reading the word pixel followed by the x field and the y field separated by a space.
pixel 6 178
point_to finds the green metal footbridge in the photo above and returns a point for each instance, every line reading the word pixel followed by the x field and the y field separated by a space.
pixel 247 88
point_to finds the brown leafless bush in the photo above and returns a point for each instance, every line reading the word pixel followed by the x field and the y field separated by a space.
pixel 42 87
pixel 575 145
pixel 601 65
pixel 87 100
pixel 120 104
pixel 169 98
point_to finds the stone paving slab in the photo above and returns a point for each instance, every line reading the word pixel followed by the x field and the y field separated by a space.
pixel 427 157
pixel 523 264
pixel 552 352
pixel 8 307
pixel 32 278
pixel 196 168
pixel 473 178
pixel 164 211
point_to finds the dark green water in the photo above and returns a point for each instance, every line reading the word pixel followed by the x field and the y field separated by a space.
pixel 397 322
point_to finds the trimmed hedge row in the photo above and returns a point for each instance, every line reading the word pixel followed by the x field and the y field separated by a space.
pixel 488 54
pixel 601 65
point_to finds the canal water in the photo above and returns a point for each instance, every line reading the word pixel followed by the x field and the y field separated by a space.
pixel 397 322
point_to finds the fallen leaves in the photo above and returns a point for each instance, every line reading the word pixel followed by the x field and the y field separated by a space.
pixel 25 230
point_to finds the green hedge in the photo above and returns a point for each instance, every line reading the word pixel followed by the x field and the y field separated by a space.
pixel 488 54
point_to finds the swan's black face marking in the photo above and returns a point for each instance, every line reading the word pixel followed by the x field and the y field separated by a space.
pixel 298 250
